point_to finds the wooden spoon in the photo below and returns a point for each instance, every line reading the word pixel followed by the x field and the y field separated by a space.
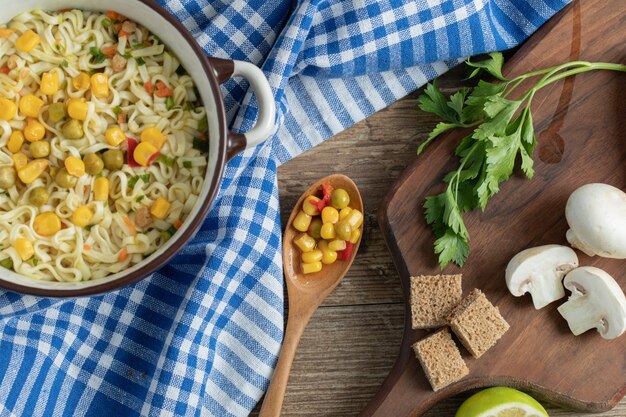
pixel 305 292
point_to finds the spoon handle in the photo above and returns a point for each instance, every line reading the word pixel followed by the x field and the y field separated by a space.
pixel 275 394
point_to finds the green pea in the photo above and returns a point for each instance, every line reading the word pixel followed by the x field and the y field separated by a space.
pixel 340 198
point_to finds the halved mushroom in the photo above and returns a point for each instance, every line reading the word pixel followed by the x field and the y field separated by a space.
pixel 597 301
pixel 540 271
pixel 596 214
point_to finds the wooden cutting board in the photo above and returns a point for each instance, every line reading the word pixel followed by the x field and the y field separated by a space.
pixel 581 129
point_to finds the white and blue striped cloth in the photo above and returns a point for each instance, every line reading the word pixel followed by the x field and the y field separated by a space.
pixel 200 337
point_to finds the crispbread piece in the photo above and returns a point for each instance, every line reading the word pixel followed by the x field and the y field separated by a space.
pixel 432 298
pixel 440 359
pixel 477 323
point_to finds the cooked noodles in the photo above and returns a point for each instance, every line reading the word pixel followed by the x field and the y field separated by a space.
pixel 102 144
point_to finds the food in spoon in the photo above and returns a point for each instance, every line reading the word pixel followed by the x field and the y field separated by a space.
pixel 330 229
pixel 477 323
pixel 432 299
pixel 501 402
pixel 540 271
pixel 502 133
pixel 98 168
pixel 597 301
pixel 596 215
pixel 440 358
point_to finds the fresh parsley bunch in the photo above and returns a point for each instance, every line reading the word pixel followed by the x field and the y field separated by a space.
pixel 502 130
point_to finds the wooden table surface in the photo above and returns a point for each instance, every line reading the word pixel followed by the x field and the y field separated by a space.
pixel 353 339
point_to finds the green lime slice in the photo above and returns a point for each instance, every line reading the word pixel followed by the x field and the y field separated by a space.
pixel 501 402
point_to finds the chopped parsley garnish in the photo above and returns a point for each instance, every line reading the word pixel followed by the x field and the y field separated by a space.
pixel 140 61
pixel 141 197
pixel 89 227
pixel 97 56
pixel 143 177
pixel 127 55
pixel 117 110
pixel 106 23
pixel 203 124
pixel 65 64
pixel 169 103
pixel 201 145
pixel 166 160
pixel 187 164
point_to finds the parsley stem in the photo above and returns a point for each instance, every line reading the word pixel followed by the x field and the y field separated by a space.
pixel 581 69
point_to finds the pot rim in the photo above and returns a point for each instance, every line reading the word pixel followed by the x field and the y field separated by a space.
pixel 179 241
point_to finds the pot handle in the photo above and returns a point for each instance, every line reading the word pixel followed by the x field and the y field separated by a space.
pixel 225 69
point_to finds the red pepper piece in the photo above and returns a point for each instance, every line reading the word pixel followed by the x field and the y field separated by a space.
pixel 320 205
pixel 132 144
pixel 346 254
pixel 327 191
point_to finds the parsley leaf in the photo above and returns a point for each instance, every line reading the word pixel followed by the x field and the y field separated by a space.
pixel 145 178
pixel 97 56
pixel 503 134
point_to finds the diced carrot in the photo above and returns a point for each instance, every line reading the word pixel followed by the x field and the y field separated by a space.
pixel 177 224
pixel 4 70
pixel 5 32
pixel 123 255
pixel 149 87
pixel 86 248
pixel 123 34
pixel 163 90
pixel 121 118
pixel 113 15
pixel 110 51
pixel 131 225
pixel 67 9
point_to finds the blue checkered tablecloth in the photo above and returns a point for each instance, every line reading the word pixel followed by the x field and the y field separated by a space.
pixel 201 336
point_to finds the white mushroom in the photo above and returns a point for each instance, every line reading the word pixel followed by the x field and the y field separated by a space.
pixel 596 214
pixel 540 271
pixel 597 301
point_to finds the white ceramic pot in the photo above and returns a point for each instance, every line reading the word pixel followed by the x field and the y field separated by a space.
pixel 207 74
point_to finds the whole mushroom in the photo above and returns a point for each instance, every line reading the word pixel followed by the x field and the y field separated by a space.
pixel 597 301
pixel 596 214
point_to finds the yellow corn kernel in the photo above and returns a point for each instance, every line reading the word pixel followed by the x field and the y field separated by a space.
pixel 343 213
pixel 77 109
pixel 311 268
pixel 355 219
pixel 154 136
pixel 313 256
pixel 15 142
pixel 19 160
pixel 81 81
pixel 49 83
pixel 355 236
pixel 114 136
pixel 8 109
pixel 101 189
pixel 82 216
pixel 47 224
pixel 5 32
pixel 30 105
pixel 337 245
pixel 145 153
pixel 305 242
pixel 311 209
pixel 159 208
pixel 330 215
pixel 74 166
pixel 328 231
pixel 32 170
pixel 100 85
pixel 34 130
pixel 24 248
pixel 302 221
pixel 27 41
pixel 328 256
